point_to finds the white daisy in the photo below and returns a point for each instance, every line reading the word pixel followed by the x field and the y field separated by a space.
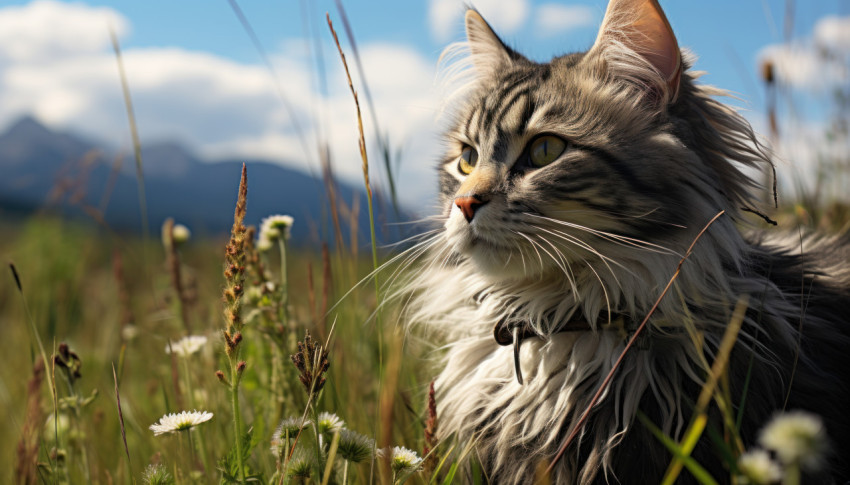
pixel 186 346
pixel 759 468
pixel 273 228
pixel 181 421
pixel 796 437
pixel 402 460
pixel 329 422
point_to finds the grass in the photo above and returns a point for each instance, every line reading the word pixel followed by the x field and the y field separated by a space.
pixel 67 273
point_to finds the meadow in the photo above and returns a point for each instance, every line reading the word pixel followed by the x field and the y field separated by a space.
pixel 298 353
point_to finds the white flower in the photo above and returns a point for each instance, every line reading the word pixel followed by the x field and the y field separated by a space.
pixel 180 421
pixel 329 422
pixel 402 459
pixel 796 437
pixel 129 332
pixel 186 346
pixel 271 229
pixel 180 234
pixel 757 466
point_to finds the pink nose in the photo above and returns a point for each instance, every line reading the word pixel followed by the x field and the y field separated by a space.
pixel 469 205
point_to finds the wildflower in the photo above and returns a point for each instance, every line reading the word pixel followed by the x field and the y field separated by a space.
pixel 174 235
pixel 757 466
pixel 264 244
pixel 274 227
pixel 797 437
pixel 182 421
pixel 402 460
pixel 129 332
pixel 354 447
pixel 180 234
pixel 157 475
pixel 291 425
pixel 186 346
pixel 329 422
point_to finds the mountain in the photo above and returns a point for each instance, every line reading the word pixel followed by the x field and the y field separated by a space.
pixel 45 169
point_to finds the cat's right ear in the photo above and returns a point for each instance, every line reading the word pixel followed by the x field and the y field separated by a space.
pixel 638 44
pixel 489 54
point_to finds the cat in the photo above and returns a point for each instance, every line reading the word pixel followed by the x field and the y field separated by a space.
pixel 569 193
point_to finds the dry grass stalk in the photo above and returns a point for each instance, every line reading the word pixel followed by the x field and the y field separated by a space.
pixel 26 458
pixel 173 262
pixel 234 277
pixel 311 295
pixel 577 428
pixel 121 421
pixel 431 427
pixel 327 285
pixel 175 377
pixel 331 190
pixel 134 133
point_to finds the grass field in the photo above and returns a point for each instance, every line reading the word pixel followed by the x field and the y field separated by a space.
pixel 113 302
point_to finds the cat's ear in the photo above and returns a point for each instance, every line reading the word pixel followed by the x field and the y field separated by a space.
pixel 637 42
pixel 489 54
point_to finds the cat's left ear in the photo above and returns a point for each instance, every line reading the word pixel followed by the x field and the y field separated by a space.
pixel 489 54
pixel 637 42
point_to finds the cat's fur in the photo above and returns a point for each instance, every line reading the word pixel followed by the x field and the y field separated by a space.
pixel 652 157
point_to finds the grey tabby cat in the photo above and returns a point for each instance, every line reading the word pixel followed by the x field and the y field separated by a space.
pixel 570 190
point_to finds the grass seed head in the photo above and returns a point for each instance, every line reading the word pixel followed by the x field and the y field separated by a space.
pixel 157 475
pixel 355 447
pixel 234 263
pixel 311 360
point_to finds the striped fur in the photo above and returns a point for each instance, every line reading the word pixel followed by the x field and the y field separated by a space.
pixel 599 232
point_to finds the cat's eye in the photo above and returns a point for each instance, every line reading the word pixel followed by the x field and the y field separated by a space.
pixel 468 159
pixel 545 150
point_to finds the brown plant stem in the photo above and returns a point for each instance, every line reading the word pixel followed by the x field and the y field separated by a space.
pixel 629 345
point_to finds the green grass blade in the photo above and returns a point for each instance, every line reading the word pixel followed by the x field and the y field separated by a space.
pixel 696 470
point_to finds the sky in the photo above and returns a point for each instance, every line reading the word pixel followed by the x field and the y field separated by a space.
pixel 196 76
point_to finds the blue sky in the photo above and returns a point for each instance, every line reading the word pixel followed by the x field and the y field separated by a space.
pixel 197 78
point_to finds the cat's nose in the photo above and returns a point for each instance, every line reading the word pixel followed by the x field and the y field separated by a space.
pixel 469 205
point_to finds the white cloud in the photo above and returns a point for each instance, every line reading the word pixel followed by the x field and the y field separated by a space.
pixel 553 19
pixel 47 29
pixel 816 64
pixel 66 74
pixel 505 16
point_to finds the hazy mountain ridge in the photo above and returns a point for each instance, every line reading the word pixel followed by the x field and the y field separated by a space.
pixel 63 172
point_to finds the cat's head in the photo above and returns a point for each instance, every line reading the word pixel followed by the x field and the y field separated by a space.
pixel 590 156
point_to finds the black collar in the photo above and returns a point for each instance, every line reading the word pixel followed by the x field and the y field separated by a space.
pixel 512 332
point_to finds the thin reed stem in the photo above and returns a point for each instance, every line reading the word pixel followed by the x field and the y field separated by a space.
pixel 237 420
pixel 365 166
pixel 629 345
pixel 134 133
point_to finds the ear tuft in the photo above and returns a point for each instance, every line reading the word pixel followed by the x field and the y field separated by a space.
pixel 489 54
pixel 635 34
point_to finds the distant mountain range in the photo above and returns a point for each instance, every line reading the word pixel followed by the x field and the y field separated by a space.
pixel 47 170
